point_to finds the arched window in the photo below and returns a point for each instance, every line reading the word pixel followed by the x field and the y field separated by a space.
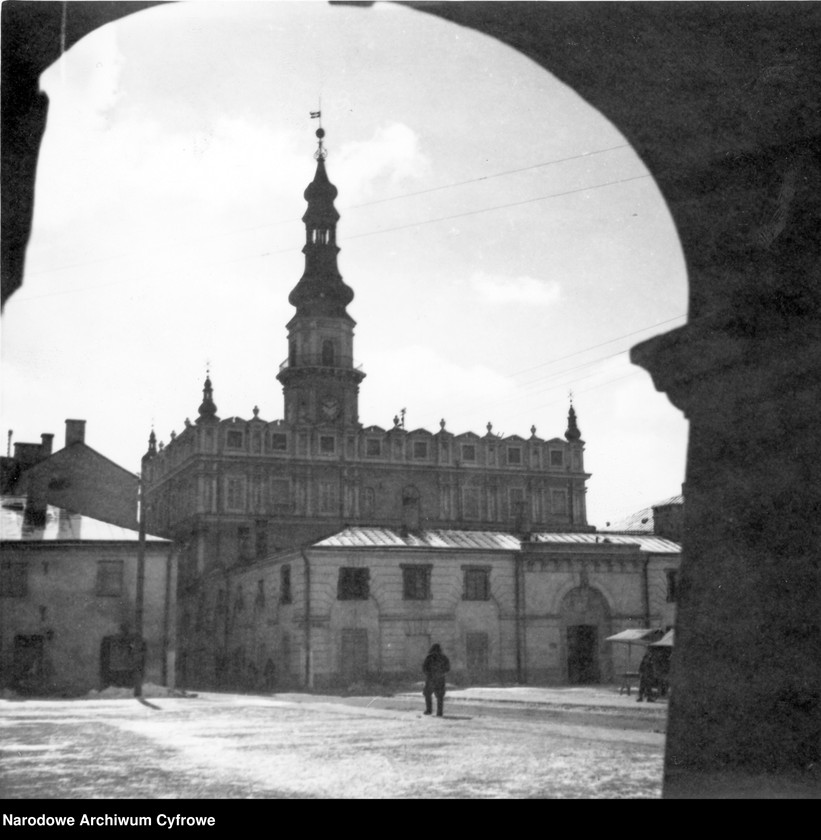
pixel 328 353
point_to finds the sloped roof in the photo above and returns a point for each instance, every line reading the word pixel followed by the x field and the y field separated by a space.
pixel 642 520
pixel 359 537
pixel 61 526
pixel 649 544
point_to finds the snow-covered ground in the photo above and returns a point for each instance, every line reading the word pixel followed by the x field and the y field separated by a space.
pixel 494 742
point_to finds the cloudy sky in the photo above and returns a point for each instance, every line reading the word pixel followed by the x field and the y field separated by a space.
pixel 504 242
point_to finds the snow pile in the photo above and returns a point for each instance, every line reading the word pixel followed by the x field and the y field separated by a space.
pixel 124 693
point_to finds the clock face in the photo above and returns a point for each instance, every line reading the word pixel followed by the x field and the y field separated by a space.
pixel 330 407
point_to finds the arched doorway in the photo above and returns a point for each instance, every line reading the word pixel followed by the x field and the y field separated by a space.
pixel 585 623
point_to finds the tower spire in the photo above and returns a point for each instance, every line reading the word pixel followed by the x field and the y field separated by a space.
pixel 321 291
pixel 573 435
pixel 208 408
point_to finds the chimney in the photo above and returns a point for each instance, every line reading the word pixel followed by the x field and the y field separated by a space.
pixel 45 446
pixel 75 431
pixel 34 513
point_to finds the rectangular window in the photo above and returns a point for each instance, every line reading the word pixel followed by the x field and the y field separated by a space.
pixel 470 502
pixel 327 444
pixel 280 494
pixel 259 601
pixel 556 458
pixel 558 501
pixel 373 447
pixel 672 585
pixel 13 579
pixel 353 584
pixel 235 493
pixel 468 452
pixel 109 578
pixel 244 542
pixel 285 584
pixel 420 449
pixel 233 440
pixel 514 455
pixel 279 442
pixel 477 584
pixel 261 539
pixel 328 500
pixel 416 583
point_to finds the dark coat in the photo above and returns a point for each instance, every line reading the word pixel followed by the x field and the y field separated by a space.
pixel 435 666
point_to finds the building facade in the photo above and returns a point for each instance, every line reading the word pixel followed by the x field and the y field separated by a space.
pixel 68 602
pixel 365 605
pixel 316 550
pixel 232 490
pixel 76 478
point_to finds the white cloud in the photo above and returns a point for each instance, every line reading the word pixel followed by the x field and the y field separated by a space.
pixel 525 289
pixel 392 155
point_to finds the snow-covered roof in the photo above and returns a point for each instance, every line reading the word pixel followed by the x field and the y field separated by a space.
pixel 642 520
pixel 60 526
pixel 359 537
pixel 650 544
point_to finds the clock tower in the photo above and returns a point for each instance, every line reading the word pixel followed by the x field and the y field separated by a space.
pixel 319 378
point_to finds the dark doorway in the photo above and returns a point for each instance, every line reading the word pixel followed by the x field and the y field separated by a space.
pixel 582 654
pixel 28 666
pixel 120 657
pixel 354 660
pixel 476 650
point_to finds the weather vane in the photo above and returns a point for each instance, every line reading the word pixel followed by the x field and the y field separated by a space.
pixel 321 153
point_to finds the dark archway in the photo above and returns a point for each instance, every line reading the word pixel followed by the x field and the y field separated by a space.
pixel 721 102
pixel 585 624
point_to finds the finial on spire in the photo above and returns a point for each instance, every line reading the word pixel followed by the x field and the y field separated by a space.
pixel 321 153
pixel 152 443
pixel 573 435
pixel 207 409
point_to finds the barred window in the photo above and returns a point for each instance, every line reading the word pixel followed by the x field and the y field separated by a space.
pixel 477 584
pixel 468 452
pixel 416 583
pixel 353 584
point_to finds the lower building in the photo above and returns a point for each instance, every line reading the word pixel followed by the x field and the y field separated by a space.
pixel 68 603
pixel 365 604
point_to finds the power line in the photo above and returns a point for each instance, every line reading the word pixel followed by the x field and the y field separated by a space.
pixel 496 207
pixel 485 177
pixel 596 346
pixel 354 206
pixel 292 249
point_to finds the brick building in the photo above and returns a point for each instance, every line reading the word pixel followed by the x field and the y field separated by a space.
pixel 76 478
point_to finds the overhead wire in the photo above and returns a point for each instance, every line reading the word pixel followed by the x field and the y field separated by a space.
pixel 280 222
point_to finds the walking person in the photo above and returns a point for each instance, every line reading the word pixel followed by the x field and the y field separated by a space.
pixel 647 678
pixel 435 666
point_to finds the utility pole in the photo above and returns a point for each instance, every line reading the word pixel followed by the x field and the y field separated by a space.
pixel 139 600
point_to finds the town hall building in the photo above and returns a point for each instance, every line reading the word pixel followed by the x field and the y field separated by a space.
pixel 315 549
